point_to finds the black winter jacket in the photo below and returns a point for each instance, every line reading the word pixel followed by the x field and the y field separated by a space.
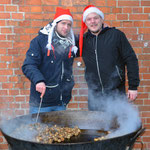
pixel 105 57
pixel 41 66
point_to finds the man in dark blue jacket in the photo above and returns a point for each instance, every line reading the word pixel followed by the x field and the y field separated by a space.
pixel 106 52
pixel 48 64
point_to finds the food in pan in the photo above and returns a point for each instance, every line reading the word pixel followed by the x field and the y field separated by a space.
pixel 44 133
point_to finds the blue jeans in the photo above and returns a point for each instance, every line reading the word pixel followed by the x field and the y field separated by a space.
pixel 46 109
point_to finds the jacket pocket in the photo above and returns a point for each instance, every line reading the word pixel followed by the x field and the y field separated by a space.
pixel 66 88
pixel 52 92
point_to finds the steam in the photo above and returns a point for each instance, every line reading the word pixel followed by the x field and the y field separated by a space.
pixel 117 109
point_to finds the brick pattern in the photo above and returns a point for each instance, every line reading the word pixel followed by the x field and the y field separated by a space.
pixel 20 21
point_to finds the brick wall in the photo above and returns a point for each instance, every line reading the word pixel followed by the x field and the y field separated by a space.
pixel 20 21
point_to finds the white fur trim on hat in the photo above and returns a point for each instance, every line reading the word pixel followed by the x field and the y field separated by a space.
pixel 92 10
pixel 63 17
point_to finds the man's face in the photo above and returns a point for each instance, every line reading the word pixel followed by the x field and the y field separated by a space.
pixel 63 27
pixel 94 22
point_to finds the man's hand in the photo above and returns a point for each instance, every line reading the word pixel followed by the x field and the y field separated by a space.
pixel 40 87
pixel 132 95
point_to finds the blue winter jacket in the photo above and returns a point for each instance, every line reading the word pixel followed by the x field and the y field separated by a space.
pixel 53 67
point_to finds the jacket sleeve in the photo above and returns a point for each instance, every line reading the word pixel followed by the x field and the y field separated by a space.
pixel 32 63
pixel 129 58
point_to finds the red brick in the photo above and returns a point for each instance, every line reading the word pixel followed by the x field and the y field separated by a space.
pixel 137 10
pixel 6 72
pixel 138 17
pixel 145 3
pixel 111 3
pixel 18 2
pixel 7 85
pixel 13 65
pixel 3 78
pixel 25 23
pixel 25 92
pixel 147 24
pixel 146 50
pixel 4 15
pixel 116 10
pixel 72 105
pixel 3 105
pixel 110 17
pixel 6 44
pixel 33 16
pixel 80 85
pixel 36 9
pixel 13 79
pixel 25 105
pixel 146 63
pixel 3 65
pixel 49 2
pixel 6 99
pixel 2 23
pixel 1 8
pixel 81 98
pixel 19 85
pixel 6 30
pixel 14 92
pixel 94 2
pixel 138 23
pixel 128 24
pixel 146 10
pixel 122 17
pixel 17 15
pixel 128 3
pixel 144 57
pixel 31 30
pixel 14 105
pixel 12 23
pixel 24 8
pixel 83 92
pixel 6 58
pixel 33 2
pixel 4 92
pixel 3 37
pixel 5 2
pixel 83 105
pixel 48 9
pixel 19 112
pixel 20 99
pixel 105 10
pixel 127 10
pixel 3 146
pixel 146 36
pixel 116 24
pixel 11 8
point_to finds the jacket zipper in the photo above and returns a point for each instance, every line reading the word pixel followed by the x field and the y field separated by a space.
pixel 99 75
pixel 62 77
pixel 118 73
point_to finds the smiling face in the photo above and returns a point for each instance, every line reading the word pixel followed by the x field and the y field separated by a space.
pixel 63 27
pixel 94 23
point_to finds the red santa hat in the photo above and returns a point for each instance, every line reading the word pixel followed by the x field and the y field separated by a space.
pixel 61 14
pixel 87 10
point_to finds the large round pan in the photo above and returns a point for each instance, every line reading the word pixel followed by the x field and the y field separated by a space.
pixel 91 122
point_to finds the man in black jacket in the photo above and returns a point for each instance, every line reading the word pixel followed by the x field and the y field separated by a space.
pixel 106 52
pixel 48 64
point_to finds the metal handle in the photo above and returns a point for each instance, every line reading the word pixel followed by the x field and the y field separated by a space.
pixel 133 140
pixel 39 109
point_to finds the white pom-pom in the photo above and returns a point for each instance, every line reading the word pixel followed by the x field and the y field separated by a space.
pixel 79 63
pixel 49 46
pixel 74 49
